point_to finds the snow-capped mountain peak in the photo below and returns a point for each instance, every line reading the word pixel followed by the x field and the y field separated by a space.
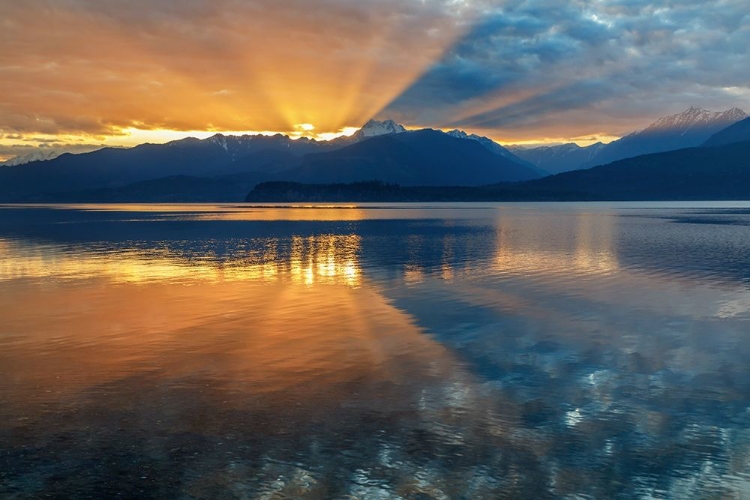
pixel 220 140
pixel 695 117
pixel 40 155
pixel 238 146
pixel 375 128
pixel 461 134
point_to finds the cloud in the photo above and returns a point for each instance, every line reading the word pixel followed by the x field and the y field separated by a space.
pixel 509 68
pixel 538 67
pixel 99 66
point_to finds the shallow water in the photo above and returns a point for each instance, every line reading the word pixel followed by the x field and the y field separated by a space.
pixel 375 352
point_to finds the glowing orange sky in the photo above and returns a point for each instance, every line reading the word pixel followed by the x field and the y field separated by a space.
pixel 79 73
pixel 128 73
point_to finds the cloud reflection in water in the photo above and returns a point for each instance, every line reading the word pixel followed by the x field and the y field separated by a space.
pixel 478 352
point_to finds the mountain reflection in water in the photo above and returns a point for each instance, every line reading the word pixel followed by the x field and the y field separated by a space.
pixel 449 351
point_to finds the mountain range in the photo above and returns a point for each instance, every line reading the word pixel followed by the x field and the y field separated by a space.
pixel 718 169
pixel 737 132
pixel 380 150
pixel 690 128
pixel 704 173
pixel 557 159
pixel 720 172
pixel 225 168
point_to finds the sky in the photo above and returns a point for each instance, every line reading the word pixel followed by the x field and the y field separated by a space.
pixel 77 74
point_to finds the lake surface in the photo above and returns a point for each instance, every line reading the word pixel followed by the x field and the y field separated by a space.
pixel 375 352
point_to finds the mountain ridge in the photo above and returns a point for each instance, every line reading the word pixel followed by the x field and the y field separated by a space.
pixel 559 158
pixel 697 173
pixel 251 158
pixel 689 128
pixel 497 149
pixel 374 128
pixel 737 132
pixel 382 150
pixel 427 156
pixel 702 173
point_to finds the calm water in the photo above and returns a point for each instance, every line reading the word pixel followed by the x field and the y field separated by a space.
pixel 376 352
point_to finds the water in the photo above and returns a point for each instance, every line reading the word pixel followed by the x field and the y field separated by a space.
pixel 375 352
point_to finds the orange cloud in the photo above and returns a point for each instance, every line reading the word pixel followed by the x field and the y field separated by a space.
pixel 97 68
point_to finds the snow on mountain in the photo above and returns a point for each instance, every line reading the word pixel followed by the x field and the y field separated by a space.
pixel 683 130
pixel 375 128
pixel 40 155
pixel 688 129
pixel 694 118
pixel 239 146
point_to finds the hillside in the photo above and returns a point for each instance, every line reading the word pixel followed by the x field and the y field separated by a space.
pixel 380 150
pixel 720 173
pixel 738 132
pixel 713 173
pixel 423 157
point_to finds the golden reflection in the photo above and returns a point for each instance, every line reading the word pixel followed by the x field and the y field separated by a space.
pixel 448 255
pixel 282 342
pixel 326 259
pixel 322 259
pixel 446 271
pixel 561 244
pixel 202 211
pixel 319 213
pixel 264 366
pixel 413 274
pixel 594 244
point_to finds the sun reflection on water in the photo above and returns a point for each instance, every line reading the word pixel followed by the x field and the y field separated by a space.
pixel 320 259
pixel 560 245
pixel 526 353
